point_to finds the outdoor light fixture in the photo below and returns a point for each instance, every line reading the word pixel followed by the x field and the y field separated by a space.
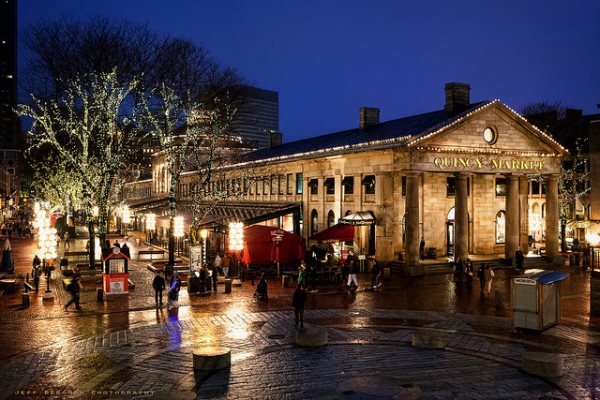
pixel 178 232
pixel 593 239
pixel 95 211
pixel 236 236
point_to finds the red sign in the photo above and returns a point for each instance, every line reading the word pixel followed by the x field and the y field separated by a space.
pixel 116 283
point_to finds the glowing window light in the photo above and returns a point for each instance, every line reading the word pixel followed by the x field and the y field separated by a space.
pixel 178 232
pixel 236 236
pixel 151 221
pixel 126 215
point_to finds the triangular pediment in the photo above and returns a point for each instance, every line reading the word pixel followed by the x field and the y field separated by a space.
pixel 507 133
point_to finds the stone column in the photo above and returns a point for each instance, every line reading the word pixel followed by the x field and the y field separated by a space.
pixel 552 245
pixel 411 246
pixel 512 217
pixel 461 218
pixel 524 213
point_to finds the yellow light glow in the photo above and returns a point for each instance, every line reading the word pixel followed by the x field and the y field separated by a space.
pixel 178 232
pixel 204 233
pixel 236 236
pixel 151 221
pixel 593 239
pixel 126 215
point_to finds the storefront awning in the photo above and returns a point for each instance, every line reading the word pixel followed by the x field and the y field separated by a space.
pixel 335 233
pixel 360 218
pixel 247 212
pixel 578 224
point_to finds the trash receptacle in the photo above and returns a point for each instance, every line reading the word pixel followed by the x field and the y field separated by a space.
pixel 536 299
pixel 193 284
pixel 99 295
pixel 227 285
pixel 25 299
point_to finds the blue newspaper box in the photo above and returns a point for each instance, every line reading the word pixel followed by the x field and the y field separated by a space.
pixel 536 299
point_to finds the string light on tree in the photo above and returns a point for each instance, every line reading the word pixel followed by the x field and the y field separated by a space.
pixel 178 232
pixel 236 236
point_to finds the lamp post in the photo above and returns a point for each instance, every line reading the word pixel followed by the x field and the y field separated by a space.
pixel 178 231
pixel 236 240
pixel 47 241
pixel 125 220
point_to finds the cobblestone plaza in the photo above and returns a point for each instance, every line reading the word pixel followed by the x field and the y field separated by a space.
pixel 126 348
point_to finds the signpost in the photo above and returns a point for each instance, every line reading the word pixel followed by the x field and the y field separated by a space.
pixel 277 237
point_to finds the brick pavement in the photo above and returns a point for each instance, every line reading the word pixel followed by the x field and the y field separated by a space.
pixel 125 345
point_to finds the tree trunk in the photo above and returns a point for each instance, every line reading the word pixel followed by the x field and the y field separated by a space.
pixel 563 239
pixel 92 249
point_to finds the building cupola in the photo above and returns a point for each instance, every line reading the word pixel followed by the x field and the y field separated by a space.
pixel 369 116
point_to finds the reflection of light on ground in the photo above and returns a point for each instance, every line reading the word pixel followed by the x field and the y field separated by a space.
pixel 239 333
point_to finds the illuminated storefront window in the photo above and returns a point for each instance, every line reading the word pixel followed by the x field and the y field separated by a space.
pixel 500 227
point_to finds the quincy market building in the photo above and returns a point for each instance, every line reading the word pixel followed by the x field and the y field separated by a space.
pixel 472 178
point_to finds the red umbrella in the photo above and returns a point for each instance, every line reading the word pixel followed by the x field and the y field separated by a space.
pixel 335 233
pixel 260 248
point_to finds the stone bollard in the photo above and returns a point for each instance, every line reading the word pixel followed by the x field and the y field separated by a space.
pixel 25 299
pixel 549 365
pixel 236 282
pixel 227 285
pixel 211 358
pixel 311 336
pixel 429 340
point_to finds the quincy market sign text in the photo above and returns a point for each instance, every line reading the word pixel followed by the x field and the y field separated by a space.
pixel 479 163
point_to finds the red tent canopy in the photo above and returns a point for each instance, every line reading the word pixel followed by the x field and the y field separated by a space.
pixel 259 247
pixel 335 233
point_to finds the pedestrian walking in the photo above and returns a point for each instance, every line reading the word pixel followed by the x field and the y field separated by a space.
pixel 469 271
pixel 422 248
pixel 66 237
pixel 302 275
pixel 6 264
pixel 36 272
pixel 159 285
pixel 226 263
pixel 298 302
pixel 481 277
pixel 219 264
pixel 74 288
pixel 489 277
pixel 353 276
pixel 458 269
pixel 174 291
pixel 375 274
pixel 312 272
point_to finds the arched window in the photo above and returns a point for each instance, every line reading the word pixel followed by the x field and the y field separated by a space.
pixel 330 218
pixel 500 227
pixel 314 226
pixel 348 213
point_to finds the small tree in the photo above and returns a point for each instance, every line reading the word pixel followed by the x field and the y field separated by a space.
pixel 92 128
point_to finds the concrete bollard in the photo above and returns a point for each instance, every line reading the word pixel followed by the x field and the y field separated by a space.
pixel 227 285
pixel 99 295
pixel 211 358
pixel 549 365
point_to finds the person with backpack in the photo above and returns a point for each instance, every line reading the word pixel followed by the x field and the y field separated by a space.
pixel 74 288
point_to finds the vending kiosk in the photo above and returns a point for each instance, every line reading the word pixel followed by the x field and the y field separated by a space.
pixel 115 276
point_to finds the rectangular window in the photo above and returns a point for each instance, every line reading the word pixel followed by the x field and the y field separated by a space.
pixel 272 181
pixel 299 183
pixel 348 184
pixel 451 186
pixel 329 186
pixel 289 183
pixel 313 184
pixel 280 181
pixel 501 189
pixel 543 187
pixel 369 184
pixel 535 187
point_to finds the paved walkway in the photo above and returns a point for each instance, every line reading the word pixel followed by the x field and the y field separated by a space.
pixel 125 348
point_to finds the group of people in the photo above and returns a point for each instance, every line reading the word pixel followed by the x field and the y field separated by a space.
pixel 159 283
pixel 464 271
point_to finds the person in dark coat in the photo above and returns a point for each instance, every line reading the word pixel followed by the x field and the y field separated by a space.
pixel 298 302
pixel 74 288
pixel 422 248
pixel 159 285
pixel 262 288
pixel 174 289
pixel 36 272
pixel 469 271
pixel 481 276
pixel 519 258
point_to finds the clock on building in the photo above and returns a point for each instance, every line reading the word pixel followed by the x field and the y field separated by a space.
pixel 489 135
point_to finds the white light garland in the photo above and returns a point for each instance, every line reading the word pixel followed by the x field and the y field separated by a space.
pixel 236 236
pixel 178 231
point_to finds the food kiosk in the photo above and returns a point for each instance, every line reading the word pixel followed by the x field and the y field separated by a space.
pixel 115 276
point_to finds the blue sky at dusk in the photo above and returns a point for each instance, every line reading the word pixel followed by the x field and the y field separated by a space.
pixel 328 58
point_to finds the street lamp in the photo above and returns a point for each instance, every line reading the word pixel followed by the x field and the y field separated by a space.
pixel 204 235
pixel 125 219
pixel 178 230
pixel 47 241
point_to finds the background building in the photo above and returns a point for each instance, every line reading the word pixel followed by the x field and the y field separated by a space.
pixel 258 118
pixel 10 137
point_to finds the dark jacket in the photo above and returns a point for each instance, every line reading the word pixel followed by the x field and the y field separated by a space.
pixel 158 283
pixel 299 298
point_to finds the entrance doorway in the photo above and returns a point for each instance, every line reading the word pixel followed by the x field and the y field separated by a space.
pixel 451 233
